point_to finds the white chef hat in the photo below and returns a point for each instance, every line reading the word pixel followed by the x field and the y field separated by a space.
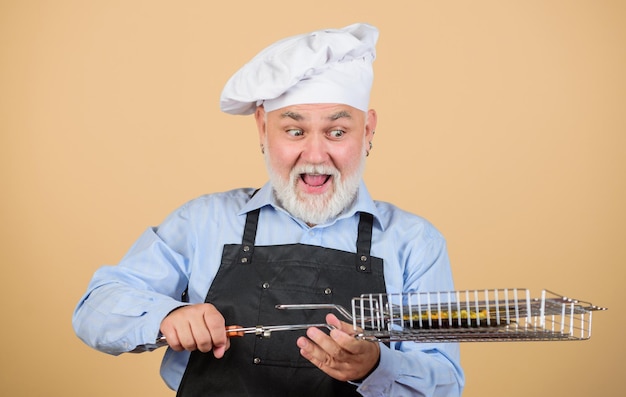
pixel 326 66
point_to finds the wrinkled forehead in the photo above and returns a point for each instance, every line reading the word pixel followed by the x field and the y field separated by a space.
pixel 317 111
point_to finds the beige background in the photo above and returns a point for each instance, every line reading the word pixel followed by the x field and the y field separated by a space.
pixel 502 122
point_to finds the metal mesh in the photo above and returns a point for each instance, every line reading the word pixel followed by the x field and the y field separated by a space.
pixel 508 314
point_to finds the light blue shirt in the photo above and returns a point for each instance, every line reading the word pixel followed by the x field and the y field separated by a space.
pixel 125 304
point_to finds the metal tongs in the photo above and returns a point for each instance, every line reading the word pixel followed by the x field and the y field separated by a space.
pixel 233 331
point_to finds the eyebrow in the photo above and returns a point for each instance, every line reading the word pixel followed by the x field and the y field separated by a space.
pixel 339 115
pixel 292 115
pixel 298 117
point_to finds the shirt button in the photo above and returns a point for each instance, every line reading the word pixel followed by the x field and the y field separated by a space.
pixel 328 291
pixel 266 285
pixel 256 360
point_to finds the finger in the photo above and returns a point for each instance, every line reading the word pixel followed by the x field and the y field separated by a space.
pixel 168 330
pixel 340 355
pixel 322 339
pixel 333 321
pixel 215 323
pixel 343 333
pixel 317 356
pixel 196 327
pixel 185 338
pixel 328 352
pixel 219 349
pixel 202 338
pixel 177 330
pixel 307 348
pixel 336 367
pixel 172 341
pixel 310 349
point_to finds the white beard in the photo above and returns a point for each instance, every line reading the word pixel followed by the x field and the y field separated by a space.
pixel 315 209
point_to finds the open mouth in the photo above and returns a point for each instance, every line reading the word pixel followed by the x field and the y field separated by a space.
pixel 315 180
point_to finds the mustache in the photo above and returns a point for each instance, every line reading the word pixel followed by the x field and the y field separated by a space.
pixel 319 169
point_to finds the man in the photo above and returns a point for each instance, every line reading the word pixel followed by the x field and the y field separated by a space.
pixel 311 235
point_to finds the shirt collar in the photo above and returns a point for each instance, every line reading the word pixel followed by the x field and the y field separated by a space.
pixel 363 203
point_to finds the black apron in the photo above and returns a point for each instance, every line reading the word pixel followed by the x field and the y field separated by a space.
pixel 250 282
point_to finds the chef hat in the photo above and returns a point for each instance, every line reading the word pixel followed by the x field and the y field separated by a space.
pixel 326 66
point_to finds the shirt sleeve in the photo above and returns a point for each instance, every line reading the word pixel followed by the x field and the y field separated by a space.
pixel 410 368
pixel 428 372
pixel 125 304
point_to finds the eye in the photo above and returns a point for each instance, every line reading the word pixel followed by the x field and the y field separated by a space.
pixel 295 132
pixel 336 133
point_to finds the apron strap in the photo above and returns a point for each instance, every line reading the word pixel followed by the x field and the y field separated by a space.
pixel 364 243
pixel 249 236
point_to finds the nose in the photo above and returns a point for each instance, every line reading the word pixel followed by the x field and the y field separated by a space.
pixel 315 149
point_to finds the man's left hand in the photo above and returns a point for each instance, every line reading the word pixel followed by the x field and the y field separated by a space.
pixel 340 354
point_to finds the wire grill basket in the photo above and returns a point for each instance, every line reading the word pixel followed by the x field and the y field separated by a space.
pixel 472 316
pixel 489 315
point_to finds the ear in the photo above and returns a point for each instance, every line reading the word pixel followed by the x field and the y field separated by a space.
pixel 259 117
pixel 370 125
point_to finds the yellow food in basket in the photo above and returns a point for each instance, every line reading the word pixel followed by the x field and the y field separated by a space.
pixel 445 315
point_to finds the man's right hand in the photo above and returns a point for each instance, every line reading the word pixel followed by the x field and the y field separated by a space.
pixel 196 327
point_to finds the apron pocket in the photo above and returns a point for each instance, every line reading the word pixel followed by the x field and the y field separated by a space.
pixel 279 349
